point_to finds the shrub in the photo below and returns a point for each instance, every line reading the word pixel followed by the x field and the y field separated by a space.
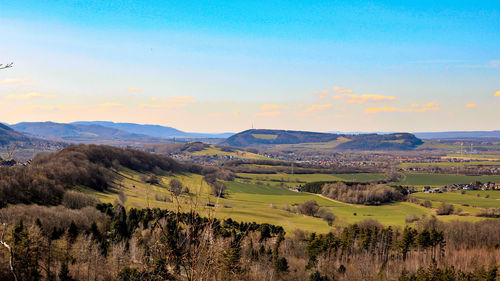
pixel 445 209
pixel 152 179
pixel 490 213
pixel 411 218
pixel 175 187
pixel 427 204
pixel 327 216
pixel 122 197
pixel 77 200
pixel 308 208
pixel 162 198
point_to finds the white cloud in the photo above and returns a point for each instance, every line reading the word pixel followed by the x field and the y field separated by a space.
pixel 363 99
pixel 11 81
pixel 268 107
pixel 28 96
pixel 338 89
pixel 161 106
pixel 183 99
pixel 415 108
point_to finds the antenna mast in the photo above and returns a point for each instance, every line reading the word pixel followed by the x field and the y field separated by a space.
pixel 470 152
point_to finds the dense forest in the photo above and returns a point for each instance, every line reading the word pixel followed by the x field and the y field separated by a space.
pixel 108 242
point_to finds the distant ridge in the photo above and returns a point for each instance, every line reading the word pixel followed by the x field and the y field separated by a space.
pixel 71 132
pixel 8 135
pixel 458 134
pixel 261 137
pixel 153 130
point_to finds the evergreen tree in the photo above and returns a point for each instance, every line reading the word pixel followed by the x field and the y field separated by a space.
pixel 25 254
pixel 64 273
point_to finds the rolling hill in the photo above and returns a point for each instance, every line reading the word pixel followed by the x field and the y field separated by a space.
pixel 59 131
pixel 7 135
pixel 152 130
pixel 263 138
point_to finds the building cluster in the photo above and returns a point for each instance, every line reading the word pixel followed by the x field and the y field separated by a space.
pixel 12 163
pixel 468 186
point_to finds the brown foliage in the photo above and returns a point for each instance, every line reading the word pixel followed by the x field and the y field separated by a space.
pixel 361 193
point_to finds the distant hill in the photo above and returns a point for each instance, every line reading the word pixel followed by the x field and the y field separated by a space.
pixel 152 130
pixel 256 138
pixel 7 135
pixel 458 134
pixel 59 131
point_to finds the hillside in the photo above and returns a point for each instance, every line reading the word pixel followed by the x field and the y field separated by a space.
pixel 7 135
pixel 152 130
pixel 202 151
pixel 60 131
pixel 256 138
pixel 79 133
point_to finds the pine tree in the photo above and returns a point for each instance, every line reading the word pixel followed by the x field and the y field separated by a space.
pixel 25 260
pixel 64 273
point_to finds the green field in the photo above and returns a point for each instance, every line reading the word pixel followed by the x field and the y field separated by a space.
pixel 213 150
pixel 438 180
pixel 449 164
pixel 475 156
pixel 301 178
pixel 470 198
pixel 265 136
pixel 264 203
pixel 317 145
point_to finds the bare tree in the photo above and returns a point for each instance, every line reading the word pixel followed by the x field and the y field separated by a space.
pixel 11 254
pixel 11 150
pixel 8 65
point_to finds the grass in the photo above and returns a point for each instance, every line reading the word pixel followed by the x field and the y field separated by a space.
pixel 437 180
pixel 259 202
pixel 213 150
pixel 300 178
pixel 449 164
pixel 470 199
pixel 475 156
pixel 328 144
pixel 265 136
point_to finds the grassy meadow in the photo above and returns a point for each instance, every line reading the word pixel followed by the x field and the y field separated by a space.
pixel 236 153
pixel 297 179
pixel 439 180
pixel 264 203
pixel 449 164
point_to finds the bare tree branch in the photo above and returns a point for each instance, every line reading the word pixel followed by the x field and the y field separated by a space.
pixel 8 65
pixel 11 150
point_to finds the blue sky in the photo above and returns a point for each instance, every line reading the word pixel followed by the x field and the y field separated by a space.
pixel 221 65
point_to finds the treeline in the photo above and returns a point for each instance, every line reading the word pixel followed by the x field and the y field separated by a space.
pixel 110 243
pixel 367 193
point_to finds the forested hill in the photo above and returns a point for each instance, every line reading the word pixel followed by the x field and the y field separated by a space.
pixel 7 135
pixel 49 176
pixel 261 137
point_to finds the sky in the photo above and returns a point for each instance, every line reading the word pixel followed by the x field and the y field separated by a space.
pixel 225 66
